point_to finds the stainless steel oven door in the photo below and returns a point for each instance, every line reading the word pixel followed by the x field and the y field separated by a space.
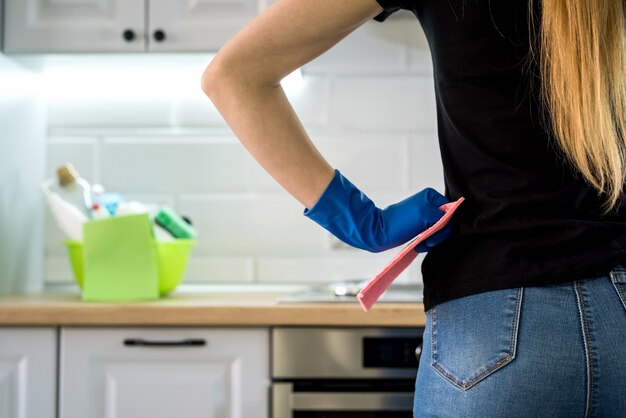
pixel 289 404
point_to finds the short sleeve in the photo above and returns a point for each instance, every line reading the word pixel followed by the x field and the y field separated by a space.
pixel 390 7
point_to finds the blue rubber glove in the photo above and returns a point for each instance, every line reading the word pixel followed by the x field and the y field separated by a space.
pixel 344 211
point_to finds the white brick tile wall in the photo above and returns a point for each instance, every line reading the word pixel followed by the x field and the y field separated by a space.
pixel 57 269
pixel 425 169
pixel 86 154
pixel 373 49
pixel 197 111
pixel 108 112
pixel 222 269
pixel 310 100
pixel 368 105
pixel 80 151
pixel 54 238
pixel 419 54
pixel 264 224
pixel 327 268
pixel 379 162
pixel 396 104
pixel 420 61
pixel 256 224
pixel 396 46
pixel 175 165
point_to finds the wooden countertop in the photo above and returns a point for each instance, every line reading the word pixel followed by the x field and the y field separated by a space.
pixel 201 309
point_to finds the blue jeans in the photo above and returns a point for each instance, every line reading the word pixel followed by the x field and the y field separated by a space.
pixel 554 351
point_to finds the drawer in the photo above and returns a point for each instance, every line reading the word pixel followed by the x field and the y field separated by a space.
pixel 164 372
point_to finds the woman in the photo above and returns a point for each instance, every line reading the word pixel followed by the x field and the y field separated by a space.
pixel 525 294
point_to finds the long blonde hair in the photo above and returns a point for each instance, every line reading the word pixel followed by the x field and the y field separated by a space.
pixel 580 46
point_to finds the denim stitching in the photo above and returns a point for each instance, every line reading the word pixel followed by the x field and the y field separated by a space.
pixel 620 293
pixel 518 311
pixel 618 275
pixel 498 365
pixel 619 268
pixel 585 333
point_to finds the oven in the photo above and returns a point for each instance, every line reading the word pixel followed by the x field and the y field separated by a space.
pixel 344 372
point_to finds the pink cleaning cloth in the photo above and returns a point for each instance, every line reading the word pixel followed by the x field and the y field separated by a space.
pixel 376 287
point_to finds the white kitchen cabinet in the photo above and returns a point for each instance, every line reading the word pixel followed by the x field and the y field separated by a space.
pixel 28 372
pixel 74 26
pixel 164 373
pixel 123 25
pixel 196 25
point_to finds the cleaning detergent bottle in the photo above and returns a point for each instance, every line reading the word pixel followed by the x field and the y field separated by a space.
pixel 72 188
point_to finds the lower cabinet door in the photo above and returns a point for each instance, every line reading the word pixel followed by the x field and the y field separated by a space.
pixel 164 373
pixel 28 366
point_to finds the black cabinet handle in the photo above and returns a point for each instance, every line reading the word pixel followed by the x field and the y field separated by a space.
pixel 129 35
pixel 159 35
pixel 139 342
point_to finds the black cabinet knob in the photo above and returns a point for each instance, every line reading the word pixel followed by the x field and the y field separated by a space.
pixel 159 35
pixel 128 35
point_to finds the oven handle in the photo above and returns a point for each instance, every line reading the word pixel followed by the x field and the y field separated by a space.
pixel 285 401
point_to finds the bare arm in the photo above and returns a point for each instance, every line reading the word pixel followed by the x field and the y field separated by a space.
pixel 243 81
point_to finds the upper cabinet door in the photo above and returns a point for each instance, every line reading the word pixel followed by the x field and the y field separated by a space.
pixel 196 25
pixel 74 26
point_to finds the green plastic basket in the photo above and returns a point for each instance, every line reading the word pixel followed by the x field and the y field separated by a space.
pixel 172 257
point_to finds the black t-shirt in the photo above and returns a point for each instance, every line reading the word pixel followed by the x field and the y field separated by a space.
pixel 529 219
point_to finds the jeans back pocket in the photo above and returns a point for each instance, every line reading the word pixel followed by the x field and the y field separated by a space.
pixel 474 336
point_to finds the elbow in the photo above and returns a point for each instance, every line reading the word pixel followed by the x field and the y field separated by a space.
pixel 221 78
pixel 233 74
